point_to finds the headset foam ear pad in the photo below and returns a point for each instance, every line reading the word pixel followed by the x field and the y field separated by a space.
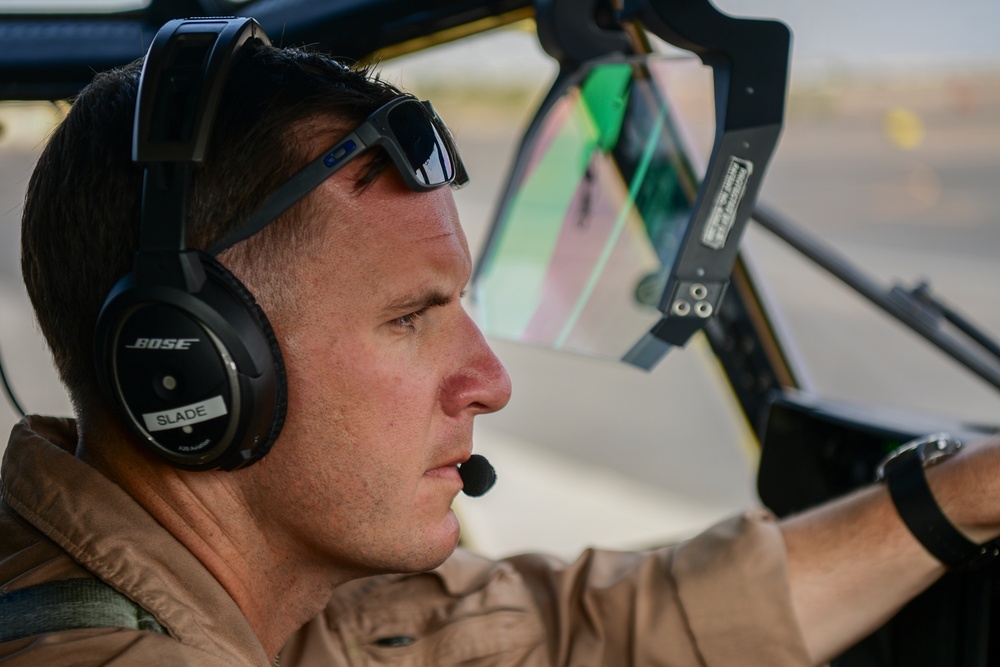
pixel 269 366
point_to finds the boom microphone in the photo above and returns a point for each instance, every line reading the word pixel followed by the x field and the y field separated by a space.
pixel 477 475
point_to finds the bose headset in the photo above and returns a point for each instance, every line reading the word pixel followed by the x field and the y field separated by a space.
pixel 182 348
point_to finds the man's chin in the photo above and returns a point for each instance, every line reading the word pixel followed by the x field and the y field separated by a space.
pixel 424 549
pixel 437 546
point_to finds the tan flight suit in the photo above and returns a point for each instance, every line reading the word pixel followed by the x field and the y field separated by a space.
pixel 720 599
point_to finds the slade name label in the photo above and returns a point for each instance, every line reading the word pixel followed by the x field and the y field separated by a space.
pixel 185 415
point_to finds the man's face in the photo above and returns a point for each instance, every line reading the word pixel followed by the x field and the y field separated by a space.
pixel 385 372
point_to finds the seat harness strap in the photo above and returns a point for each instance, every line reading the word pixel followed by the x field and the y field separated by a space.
pixel 69 604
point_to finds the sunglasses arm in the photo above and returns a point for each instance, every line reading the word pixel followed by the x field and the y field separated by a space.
pixel 298 186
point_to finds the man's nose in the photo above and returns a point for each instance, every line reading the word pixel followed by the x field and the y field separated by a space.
pixel 479 383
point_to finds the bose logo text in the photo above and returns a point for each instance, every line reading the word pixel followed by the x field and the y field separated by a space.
pixel 162 343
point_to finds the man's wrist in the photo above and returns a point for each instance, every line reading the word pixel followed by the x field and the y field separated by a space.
pixel 904 473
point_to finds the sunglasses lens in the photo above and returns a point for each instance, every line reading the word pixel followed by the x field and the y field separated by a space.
pixel 425 148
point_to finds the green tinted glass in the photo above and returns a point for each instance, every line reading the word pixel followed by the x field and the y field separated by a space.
pixel 595 216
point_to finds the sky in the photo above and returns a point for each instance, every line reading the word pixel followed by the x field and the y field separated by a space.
pixel 858 32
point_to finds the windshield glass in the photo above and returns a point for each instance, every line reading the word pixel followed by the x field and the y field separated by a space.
pixel 595 213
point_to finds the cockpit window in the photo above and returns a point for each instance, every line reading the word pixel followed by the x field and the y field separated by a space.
pixel 595 215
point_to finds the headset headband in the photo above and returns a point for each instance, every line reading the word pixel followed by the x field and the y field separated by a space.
pixel 179 91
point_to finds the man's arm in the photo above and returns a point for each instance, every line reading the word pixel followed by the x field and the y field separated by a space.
pixel 853 563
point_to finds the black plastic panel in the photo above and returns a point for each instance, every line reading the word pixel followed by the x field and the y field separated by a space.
pixel 53 57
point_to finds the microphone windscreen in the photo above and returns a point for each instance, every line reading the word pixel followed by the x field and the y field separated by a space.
pixel 477 475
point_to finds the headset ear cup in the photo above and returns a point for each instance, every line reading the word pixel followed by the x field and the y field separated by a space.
pixel 198 375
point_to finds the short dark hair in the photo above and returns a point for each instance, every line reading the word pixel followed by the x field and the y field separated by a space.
pixel 81 213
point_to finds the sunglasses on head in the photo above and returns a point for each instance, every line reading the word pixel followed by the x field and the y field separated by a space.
pixel 410 131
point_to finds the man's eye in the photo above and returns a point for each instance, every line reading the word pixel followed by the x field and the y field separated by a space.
pixel 407 321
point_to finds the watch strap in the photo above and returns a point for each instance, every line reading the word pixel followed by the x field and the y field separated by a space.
pixel 920 512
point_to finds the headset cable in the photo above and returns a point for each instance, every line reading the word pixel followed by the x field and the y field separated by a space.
pixel 9 391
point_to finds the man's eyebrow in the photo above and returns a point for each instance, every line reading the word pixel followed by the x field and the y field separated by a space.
pixel 423 300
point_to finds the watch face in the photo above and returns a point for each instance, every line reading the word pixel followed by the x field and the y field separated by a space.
pixel 931 449
pixel 937 447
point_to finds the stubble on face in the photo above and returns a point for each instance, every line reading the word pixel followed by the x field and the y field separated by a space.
pixel 373 405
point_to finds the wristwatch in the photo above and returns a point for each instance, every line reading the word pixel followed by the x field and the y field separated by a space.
pixel 903 472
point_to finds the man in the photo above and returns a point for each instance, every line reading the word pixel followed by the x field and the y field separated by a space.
pixel 361 282
pixel 367 476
